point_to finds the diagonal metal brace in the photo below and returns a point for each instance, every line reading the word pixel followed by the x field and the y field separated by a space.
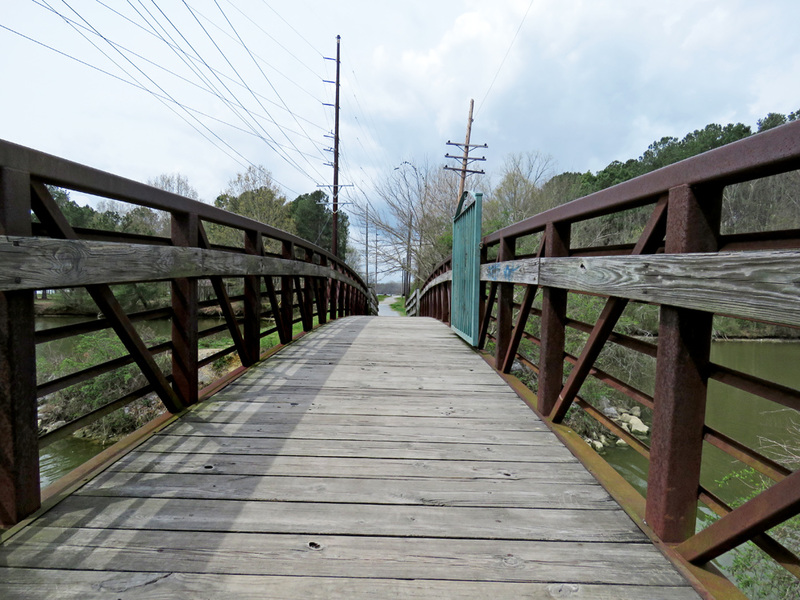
pixel 649 241
pixel 56 224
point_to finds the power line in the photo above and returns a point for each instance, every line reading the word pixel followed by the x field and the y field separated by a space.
pixel 164 99
pixel 147 77
pixel 210 37
pixel 502 62
pixel 268 81
pixel 148 61
pixel 240 42
pixel 270 36
pixel 289 25
pixel 205 63
pixel 194 58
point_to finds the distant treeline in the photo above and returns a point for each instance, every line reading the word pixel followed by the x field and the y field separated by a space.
pixel 528 187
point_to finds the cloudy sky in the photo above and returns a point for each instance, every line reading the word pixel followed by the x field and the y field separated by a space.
pixel 207 87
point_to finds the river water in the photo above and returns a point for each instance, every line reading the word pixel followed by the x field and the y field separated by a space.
pixel 749 419
pixel 64 455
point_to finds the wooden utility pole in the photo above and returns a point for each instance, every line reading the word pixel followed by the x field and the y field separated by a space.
pixel 335 241
pixel 465 159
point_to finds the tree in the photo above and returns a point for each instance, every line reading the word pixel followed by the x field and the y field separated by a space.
pixel 415 225
pixel 519 193
pixel 255 195
pixel 313 221
pixel 175 183
pixel 770 121
pixel 145 221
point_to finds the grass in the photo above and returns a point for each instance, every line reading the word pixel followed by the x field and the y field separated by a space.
pixel 273 339
pixel 399 305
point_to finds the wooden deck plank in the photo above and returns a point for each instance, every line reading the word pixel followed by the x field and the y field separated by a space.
pixel 347 556
pixel 316 518
pixel 437 492
pixel 356 433
pixel 372 458
pixel 43 584
pixel 321 466
pixel 544 451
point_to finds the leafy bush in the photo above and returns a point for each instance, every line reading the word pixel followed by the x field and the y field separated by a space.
pixel 751 566
pixel 77 400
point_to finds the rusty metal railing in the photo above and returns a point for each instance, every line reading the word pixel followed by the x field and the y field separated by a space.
pixel 41 250
pixel 684 265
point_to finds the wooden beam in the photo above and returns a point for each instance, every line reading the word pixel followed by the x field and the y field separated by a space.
pixel 752 285
pixel 38 263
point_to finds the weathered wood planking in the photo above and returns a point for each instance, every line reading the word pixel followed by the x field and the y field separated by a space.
pixel 541 449
pixel 429 492
pixel 40 263
pixel 563 524
pixel 34 584
pixel 455 434
pixel 321 466
pixel 310 477
pixel 313 555
pixel 758 285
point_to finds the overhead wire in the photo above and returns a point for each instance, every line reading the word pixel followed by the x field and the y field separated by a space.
pixel 236 33
pixel 502 62
pixel 151 81
pixel 211 38
pixel 290 26
pixel 193 58
pixel 165 97
pixel 268 139
pixel 130 64
pixel 257 56
pixel 140 57
pixel 270 36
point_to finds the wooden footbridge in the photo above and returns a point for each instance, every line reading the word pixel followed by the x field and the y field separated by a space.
pixel 381 457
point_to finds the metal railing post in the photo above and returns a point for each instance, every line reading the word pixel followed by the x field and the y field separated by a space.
pixel 253 244
pixel 287 293
pixel 682 366
pixel 185 233
pixel 324 294
pixel 19 443
pixel 505 305
pixel 554 314
pixel 308 295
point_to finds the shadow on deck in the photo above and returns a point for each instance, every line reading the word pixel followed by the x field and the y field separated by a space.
pixel 374 457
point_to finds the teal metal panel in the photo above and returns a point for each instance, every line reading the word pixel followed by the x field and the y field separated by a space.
pixel 465 296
